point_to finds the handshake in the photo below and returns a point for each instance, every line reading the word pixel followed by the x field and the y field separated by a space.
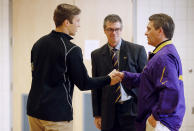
pixel 116 77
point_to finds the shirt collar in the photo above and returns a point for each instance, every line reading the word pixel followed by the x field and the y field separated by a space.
pixel 62 34
pixel 161 45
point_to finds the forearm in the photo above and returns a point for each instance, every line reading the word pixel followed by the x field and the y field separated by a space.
pixel 84 82
pixel 79 75
pixel 130 80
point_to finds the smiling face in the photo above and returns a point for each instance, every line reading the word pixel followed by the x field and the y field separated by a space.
pixel 113 32
pixel 153 35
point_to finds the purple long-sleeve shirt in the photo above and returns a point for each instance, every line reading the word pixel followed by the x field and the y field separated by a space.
pixel 161 90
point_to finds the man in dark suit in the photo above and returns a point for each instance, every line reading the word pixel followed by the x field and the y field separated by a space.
pixel 115 111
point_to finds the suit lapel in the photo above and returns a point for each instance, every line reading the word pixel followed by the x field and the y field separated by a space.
pixel 106 58
pixel 123 57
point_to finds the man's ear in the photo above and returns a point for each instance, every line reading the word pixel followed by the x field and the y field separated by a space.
pixel 66 22
pixel 161 30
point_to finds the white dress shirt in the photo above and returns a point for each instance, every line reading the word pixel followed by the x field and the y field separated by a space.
pixel 124 95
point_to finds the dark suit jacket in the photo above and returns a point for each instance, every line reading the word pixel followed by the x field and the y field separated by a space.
pixel 132 58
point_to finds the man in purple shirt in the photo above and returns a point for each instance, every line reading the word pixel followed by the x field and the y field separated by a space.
pixel 161 102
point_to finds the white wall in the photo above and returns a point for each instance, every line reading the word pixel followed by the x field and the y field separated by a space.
pixel 182 11
pixel 5 118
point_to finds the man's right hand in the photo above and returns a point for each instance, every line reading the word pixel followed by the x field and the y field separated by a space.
pixel 116 77
pixel 97 122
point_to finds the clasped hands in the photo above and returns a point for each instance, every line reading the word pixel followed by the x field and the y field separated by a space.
pixel 116 77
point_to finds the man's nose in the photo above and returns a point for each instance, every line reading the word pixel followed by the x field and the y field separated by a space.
pixel 146 33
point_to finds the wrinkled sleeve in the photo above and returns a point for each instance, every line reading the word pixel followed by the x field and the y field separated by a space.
pixel 131 80
pixel 167 82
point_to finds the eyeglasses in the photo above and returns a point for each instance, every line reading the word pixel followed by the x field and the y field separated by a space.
pixel 111 30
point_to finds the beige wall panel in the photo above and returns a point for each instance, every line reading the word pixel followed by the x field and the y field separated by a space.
pixel 93 14
pixel 31 20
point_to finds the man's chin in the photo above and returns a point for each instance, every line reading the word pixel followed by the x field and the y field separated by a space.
pixel 115 40
pixel 149 43
pixel 112 44
pixel 72 34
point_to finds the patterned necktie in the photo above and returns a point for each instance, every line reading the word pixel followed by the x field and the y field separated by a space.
pixel 117 93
